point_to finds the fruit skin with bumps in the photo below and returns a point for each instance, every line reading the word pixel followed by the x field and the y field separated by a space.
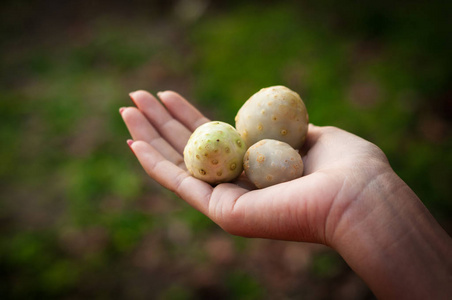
pixel 276 113
pixel 270 162
pixel 214 153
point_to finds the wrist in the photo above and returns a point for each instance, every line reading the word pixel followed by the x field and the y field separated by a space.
pixel 391 240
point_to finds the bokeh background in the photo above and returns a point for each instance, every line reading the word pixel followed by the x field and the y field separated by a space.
pixel 79 218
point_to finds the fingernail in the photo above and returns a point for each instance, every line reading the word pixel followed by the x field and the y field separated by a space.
pixel 159 94
pixel 121 110
pixel 129 143
pixel 131 97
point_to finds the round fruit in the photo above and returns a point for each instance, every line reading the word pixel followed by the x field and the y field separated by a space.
pixel 273 113
pixel 270 162
pixel 214 153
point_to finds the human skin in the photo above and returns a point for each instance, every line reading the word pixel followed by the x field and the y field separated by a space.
pixel 349 199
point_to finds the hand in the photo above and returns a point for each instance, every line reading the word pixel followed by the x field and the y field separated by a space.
pixel 349 199
pixel 338 167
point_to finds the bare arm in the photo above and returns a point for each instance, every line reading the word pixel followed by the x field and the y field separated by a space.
pixel 396 246
pixel 349 199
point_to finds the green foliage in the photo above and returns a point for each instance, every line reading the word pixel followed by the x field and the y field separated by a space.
pixel 381 94
pixel 243 286
pixel 79 217
pixel 326 265
pixel 176 292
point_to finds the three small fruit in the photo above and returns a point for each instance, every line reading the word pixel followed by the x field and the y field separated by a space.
pixel 270 129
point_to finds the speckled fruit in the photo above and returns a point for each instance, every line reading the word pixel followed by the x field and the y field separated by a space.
pixel 270 162
pixel 273 113
pixel 214 153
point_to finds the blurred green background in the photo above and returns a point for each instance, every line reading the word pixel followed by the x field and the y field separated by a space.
pixel 79 218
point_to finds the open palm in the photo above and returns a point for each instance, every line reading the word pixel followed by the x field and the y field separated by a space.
pixel 339 166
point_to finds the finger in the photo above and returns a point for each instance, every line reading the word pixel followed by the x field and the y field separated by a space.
pixel 194 191
pixel 182 110
pixel 168 127
pixel 311 137
pixel 313 160
pixel 141 130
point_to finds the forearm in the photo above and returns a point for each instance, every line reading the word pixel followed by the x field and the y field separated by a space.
pixel 397 247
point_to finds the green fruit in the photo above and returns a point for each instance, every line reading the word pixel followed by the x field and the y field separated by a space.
pixel 214 153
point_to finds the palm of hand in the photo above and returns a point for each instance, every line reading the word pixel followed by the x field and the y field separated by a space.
pixel 311 208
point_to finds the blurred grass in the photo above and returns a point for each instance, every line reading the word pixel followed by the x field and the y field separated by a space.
pixel 78 216
pixel 392 88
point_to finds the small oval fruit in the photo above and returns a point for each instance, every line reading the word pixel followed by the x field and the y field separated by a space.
pixel 276 113
pixel 269 162
pixel 214 153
